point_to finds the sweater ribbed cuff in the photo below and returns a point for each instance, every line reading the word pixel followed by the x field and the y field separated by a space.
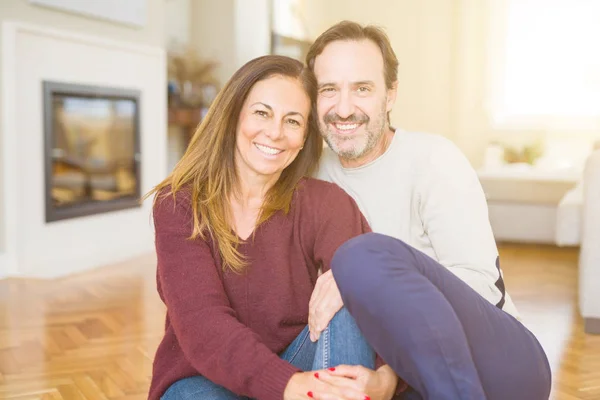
pixel 273 378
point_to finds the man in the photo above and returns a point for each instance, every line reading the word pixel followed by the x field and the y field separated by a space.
pixel 426 289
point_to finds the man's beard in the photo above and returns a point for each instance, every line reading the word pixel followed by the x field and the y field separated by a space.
pixel 365 142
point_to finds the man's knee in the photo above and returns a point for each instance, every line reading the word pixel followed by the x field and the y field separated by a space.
pixel 367 258
pixel 361 252
pixel 351 258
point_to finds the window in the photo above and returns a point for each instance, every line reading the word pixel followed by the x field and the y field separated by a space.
pixel 545 62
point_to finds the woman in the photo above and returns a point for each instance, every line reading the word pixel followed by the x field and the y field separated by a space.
pixel 240 236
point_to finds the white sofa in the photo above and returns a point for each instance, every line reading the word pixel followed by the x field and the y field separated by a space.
pixel 523 201
pixel 589 259
pixel 569 217
pixel 528 205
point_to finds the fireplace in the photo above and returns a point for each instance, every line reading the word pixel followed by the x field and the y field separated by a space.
pixel 92 149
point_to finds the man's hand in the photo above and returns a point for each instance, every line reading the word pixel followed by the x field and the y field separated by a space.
pixel 378 385
pixel 325 301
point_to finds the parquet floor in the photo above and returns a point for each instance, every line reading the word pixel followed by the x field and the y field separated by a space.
pixel 93 336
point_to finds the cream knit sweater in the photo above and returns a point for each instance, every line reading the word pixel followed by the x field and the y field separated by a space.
pixel 423 191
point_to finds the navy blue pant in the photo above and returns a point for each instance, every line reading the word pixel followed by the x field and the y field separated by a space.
pixel 439 335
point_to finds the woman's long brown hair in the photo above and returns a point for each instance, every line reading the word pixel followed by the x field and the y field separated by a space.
pixel 208 169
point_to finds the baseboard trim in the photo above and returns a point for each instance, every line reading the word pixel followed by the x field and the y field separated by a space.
pixel 592 326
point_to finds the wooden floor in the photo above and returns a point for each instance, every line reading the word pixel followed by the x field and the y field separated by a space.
pixel 93 336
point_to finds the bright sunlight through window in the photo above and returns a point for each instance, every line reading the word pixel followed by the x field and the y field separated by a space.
pixel 551 61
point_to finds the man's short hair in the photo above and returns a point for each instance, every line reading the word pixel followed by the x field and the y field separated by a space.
pixel 352 31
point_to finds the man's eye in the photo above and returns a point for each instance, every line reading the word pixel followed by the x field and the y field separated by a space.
pixel 363 89
pixel 328 92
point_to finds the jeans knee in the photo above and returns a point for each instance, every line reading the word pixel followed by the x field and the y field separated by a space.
pixel 343 343
pixel 197 387
pixel 342 318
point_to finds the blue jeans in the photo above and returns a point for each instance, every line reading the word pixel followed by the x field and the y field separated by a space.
pixel 438 334
pixel 340 343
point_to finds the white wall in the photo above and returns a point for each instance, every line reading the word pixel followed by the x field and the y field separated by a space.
pixel 34 54
pixel 21 10
pixel 213 35
pixel 252 30
pixel 153 34
pixel 230 31
pixel 469 89
pixel 178 18
pixel 177 22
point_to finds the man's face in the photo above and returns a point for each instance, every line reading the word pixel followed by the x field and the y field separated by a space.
pixel 353 100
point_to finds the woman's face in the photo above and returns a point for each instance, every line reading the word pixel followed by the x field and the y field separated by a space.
pixel 271 127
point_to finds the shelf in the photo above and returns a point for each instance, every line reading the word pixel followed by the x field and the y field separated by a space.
pixel 185 117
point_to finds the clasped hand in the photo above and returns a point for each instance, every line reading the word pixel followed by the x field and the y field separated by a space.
pixel 344 382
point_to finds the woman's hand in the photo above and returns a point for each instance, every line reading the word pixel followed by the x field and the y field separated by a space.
pixel 306 385
pixel 377 385
pixel 325 301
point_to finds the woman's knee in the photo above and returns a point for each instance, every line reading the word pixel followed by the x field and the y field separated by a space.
pixel 343 343
pixel 342 319
pixel 198 387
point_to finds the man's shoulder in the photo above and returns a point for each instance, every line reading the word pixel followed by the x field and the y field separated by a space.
pixel 329 157
pixel 425 142
pixel 426 149
pixel 328 162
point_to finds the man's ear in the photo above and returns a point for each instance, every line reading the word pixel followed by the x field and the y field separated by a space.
pixel 391 96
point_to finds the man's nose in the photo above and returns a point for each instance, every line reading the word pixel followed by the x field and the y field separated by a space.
pixel 344 107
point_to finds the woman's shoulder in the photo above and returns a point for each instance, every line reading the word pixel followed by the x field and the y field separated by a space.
pixel 319 194
pixel 318 189
pixel 171 205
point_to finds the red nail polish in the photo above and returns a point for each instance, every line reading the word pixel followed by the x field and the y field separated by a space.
pixel 332 369
pixel 317 375
pixel 367 398
pixel 309 394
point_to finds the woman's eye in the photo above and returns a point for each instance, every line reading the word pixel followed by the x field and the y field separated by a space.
pixel 261 113
pixel 293 122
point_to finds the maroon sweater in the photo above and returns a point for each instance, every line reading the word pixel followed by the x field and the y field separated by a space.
pixel 231 327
